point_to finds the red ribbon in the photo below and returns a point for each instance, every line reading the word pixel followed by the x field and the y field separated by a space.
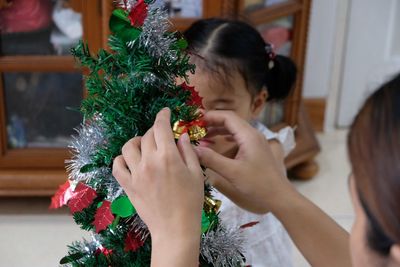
pixel 190 124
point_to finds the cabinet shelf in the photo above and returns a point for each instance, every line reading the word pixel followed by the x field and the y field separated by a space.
pixel 38 64
pixel 271 13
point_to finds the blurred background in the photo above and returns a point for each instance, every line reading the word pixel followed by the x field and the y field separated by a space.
pixel 344 50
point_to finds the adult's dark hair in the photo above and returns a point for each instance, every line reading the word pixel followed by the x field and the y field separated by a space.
pixel 374 150
pixel 225 46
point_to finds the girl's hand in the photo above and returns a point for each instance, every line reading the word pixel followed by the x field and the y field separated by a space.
pixel 253 179
pixel 164 182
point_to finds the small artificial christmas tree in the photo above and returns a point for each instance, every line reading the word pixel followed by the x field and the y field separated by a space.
pixel 126 89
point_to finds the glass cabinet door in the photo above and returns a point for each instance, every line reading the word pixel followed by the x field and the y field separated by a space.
pixel 40 87
pixel 183 8
pixel 41 108
pixel 250 5
pixel 279 33
pixel 39 27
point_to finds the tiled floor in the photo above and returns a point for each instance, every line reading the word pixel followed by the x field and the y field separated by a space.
pixel 30 235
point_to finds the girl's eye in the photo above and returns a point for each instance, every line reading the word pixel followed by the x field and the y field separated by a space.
pixel 231 109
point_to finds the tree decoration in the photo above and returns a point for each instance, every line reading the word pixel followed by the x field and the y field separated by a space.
pixel 249 225
pixel 103 217
pixel 138 14
pixel 81 198
pixel 195 99
pixel 133 241
pixel 196 129
pixel 62 196
pixel 123 207
pixel 127 86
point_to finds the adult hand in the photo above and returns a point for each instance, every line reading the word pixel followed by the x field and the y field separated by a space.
pixel 253 179
pixel 164 182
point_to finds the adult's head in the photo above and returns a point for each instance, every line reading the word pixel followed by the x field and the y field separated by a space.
pixel 374 150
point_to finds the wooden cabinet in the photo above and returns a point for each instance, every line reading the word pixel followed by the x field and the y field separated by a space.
pixel 284 24
pixel 39 79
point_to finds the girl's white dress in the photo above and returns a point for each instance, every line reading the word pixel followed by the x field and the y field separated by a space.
pixel 267 244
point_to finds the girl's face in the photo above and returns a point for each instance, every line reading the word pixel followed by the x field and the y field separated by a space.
pixel 219 96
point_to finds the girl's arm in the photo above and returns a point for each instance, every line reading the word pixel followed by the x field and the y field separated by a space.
pixel 265 188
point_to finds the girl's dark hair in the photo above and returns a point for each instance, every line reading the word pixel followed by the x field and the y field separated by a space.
pixel 374 150
pixel 226 45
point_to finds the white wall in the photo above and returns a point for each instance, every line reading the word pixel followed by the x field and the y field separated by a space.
pixel 371 57
pixel 320 47
pixel 353 47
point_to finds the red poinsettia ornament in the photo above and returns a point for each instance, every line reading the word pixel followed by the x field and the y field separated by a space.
pixel 103 217
pixel 138 13
pixel 195 98
pixel 82 197
pixel 104 251
pixel 133 241
pixel 61 197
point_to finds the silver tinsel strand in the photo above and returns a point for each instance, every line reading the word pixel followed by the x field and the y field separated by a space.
pixel 139 227
pixel 153 37
pixel 88 246
pixel 222 247
pixel 83 146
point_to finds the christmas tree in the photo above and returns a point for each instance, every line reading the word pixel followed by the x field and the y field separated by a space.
pixel 126 89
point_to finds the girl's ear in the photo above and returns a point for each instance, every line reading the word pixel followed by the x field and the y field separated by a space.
pixel 258 103
pixel 395 254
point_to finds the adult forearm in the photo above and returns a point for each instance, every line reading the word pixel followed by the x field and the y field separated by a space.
pixel 176 252
pixel 319 238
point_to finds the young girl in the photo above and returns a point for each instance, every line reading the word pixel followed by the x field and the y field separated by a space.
pixel 236 70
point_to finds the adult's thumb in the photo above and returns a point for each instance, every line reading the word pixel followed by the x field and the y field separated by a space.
pixel 224 166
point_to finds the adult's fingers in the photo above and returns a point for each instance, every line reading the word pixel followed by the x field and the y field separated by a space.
pixel 132 153
pixel 224 166
pixel 236 126
pixel 188 154
pixel 120 171
pixel 222 184
pixel 163 134
pixel 214 131
pixel 148 143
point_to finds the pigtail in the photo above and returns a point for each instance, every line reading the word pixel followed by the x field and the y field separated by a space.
pixel 280 77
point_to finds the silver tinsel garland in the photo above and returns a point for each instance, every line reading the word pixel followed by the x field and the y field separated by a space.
pixel 139 227
pixel 83 147
pixel 222 247
pixel 153 37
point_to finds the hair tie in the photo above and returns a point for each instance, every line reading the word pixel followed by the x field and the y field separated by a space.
pixel 269 48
